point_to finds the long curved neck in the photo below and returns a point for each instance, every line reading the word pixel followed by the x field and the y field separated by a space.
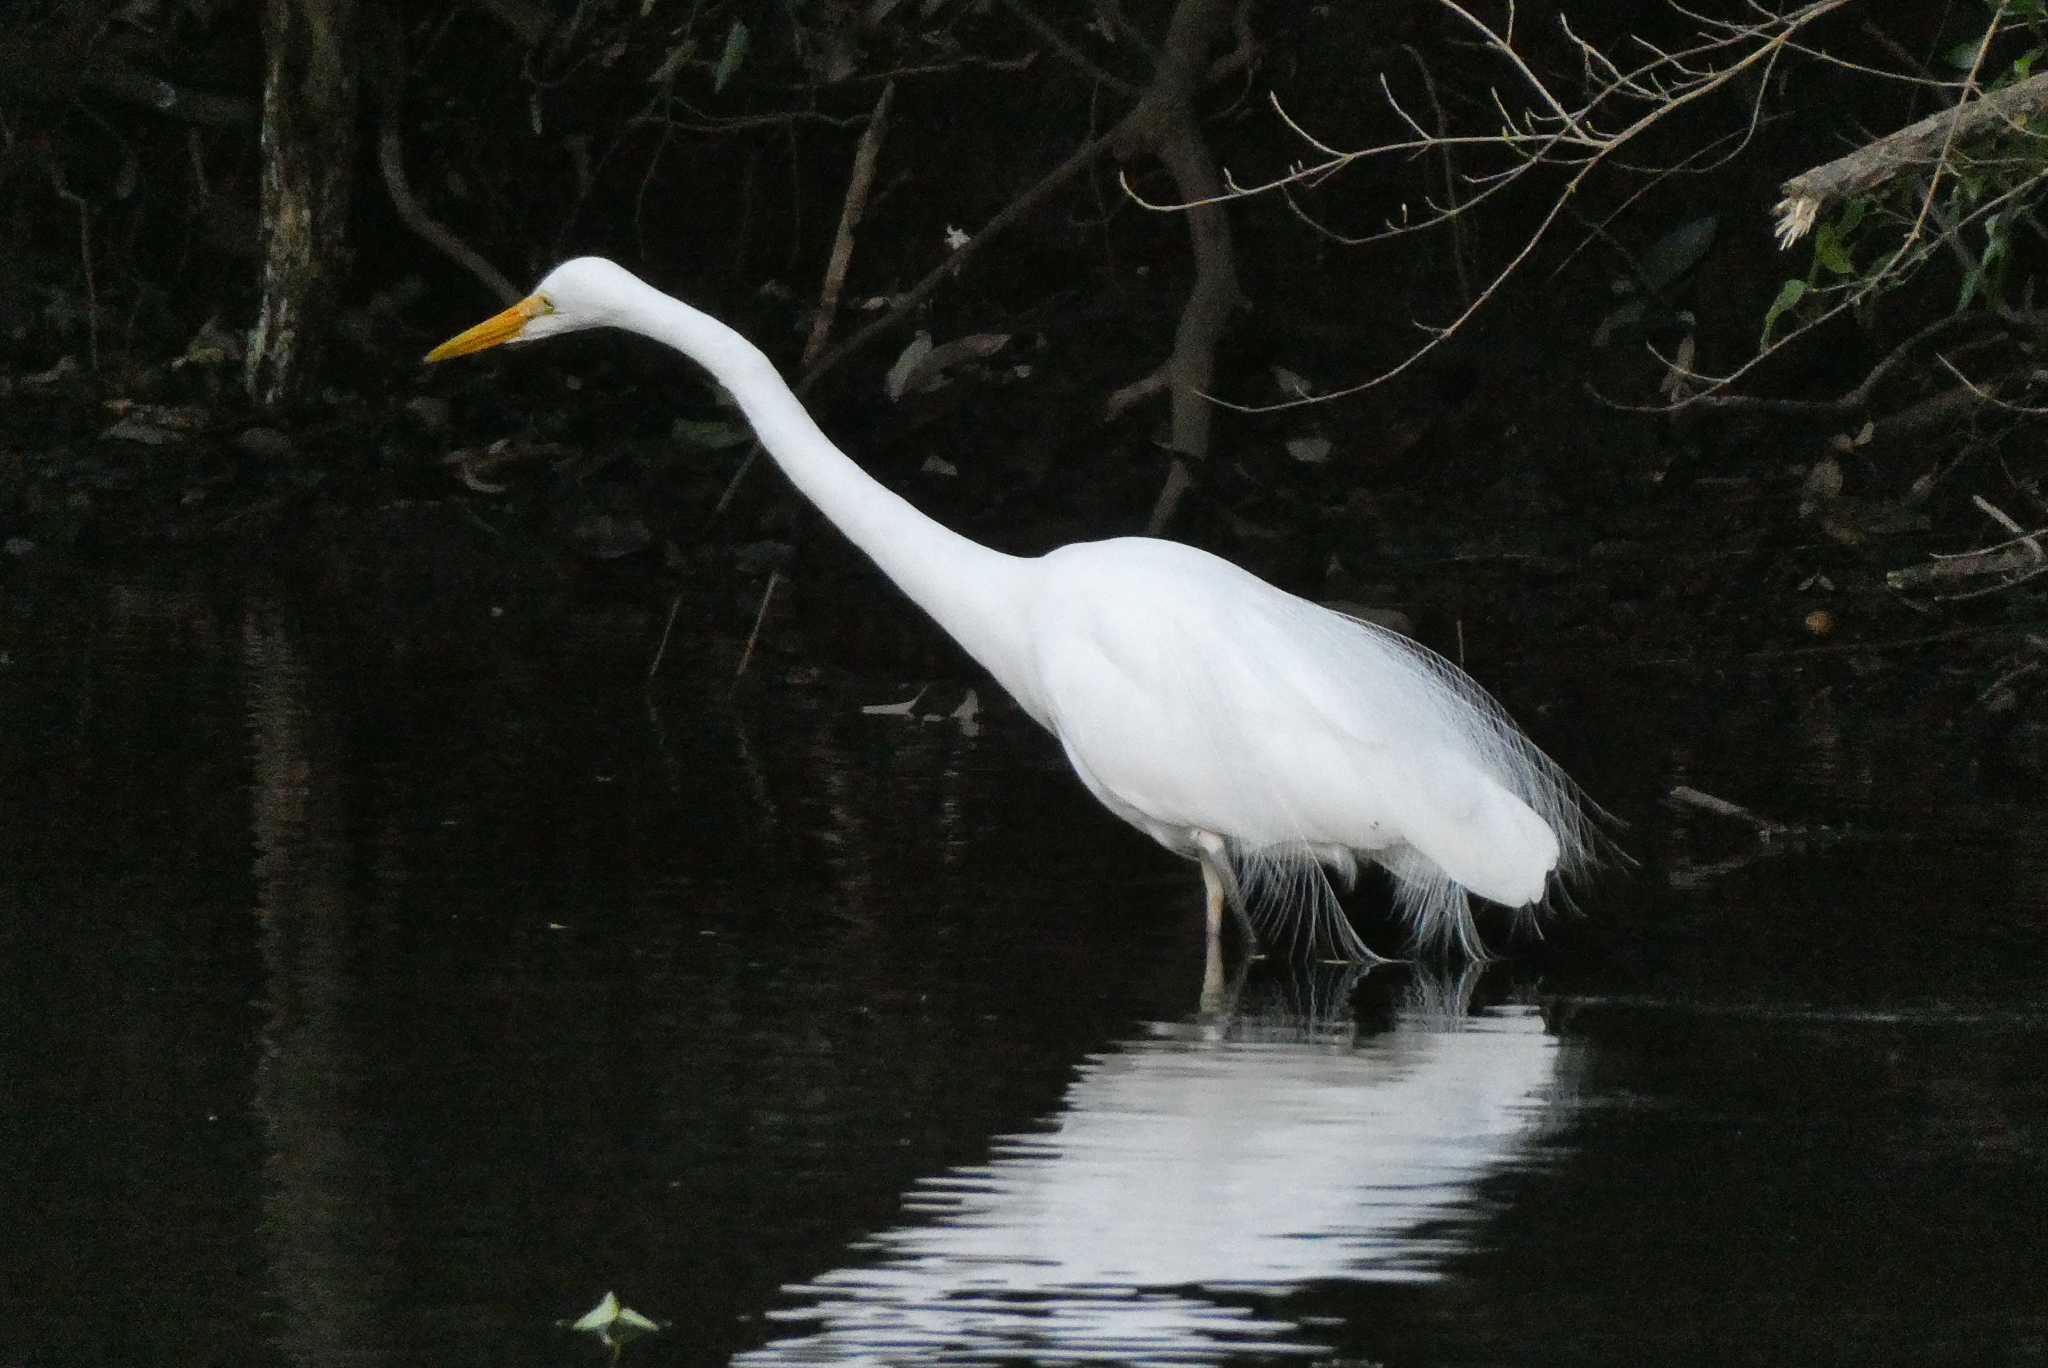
pixel 976 594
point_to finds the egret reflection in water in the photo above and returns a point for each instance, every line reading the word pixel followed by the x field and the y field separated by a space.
pixel 1191 1173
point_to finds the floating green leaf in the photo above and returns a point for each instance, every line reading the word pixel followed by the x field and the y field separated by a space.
pixel 599 1317
pixel 613 1324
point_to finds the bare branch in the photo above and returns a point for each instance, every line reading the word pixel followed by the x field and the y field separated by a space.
pixel 1072 55
pixel 1558 137
pixel 850 212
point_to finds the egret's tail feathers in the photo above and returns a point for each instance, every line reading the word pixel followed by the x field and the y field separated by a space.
pixel 1294 907
pixel 1432 780
pixel 1479 834
pixel 1434 905
pixel 1447 703
pixel 1292 903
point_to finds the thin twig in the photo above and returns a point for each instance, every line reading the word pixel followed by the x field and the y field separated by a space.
pixel 2004 520
pixel 850 212
pixel 2004 682
pixel 911 300
pixel 92 297
pixel 662 649
pixel 1563 138
pixel 1847 404
pixel 2023 410
pixel 1459 246
pixel 1072 55
pixel 760 616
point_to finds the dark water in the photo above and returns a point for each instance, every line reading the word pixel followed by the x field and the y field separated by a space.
pixel 385 986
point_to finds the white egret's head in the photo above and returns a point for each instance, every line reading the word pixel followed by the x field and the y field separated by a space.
pixel 588 292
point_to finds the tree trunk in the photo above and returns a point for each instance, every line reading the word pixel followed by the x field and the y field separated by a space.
pixel 309 151
pixel 1164 124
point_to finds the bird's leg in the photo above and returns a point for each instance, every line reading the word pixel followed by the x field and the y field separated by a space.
pixel 1221 884
pixel 1214 1001
pixel 1214 887
pixel 1220 996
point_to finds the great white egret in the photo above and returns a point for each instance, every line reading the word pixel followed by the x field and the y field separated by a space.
pixel 1269 739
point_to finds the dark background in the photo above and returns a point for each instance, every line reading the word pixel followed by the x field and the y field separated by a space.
pixel 1527 486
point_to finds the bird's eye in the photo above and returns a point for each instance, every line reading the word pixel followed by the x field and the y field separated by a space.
pixel 546 305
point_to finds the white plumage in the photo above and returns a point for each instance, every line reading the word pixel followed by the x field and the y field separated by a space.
pixel 1266 737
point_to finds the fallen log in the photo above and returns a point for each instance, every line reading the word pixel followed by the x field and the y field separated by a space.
pixel 1916 146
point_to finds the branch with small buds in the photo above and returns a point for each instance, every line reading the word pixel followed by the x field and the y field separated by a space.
pixel 1578 135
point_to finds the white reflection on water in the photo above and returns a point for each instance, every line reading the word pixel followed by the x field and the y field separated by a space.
pixel 1187 1179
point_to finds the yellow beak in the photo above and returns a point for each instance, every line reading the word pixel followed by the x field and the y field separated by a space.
pixel 498 328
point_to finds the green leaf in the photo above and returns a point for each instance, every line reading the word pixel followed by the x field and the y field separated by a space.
pixel 1986 276
pixel 1963 55
pixel 1677 252
pixel 736 39
pixel 1831 254
pixel 613 1324
pixel 1629 314
pixel 1972 279
pixel 600 1316
pixel 673 63
pixel 1789 295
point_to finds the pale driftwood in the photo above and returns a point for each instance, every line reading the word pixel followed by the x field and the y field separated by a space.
pixel 1916 146
pixel 2021 558
pixel 1721 807
pixel 2005 520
